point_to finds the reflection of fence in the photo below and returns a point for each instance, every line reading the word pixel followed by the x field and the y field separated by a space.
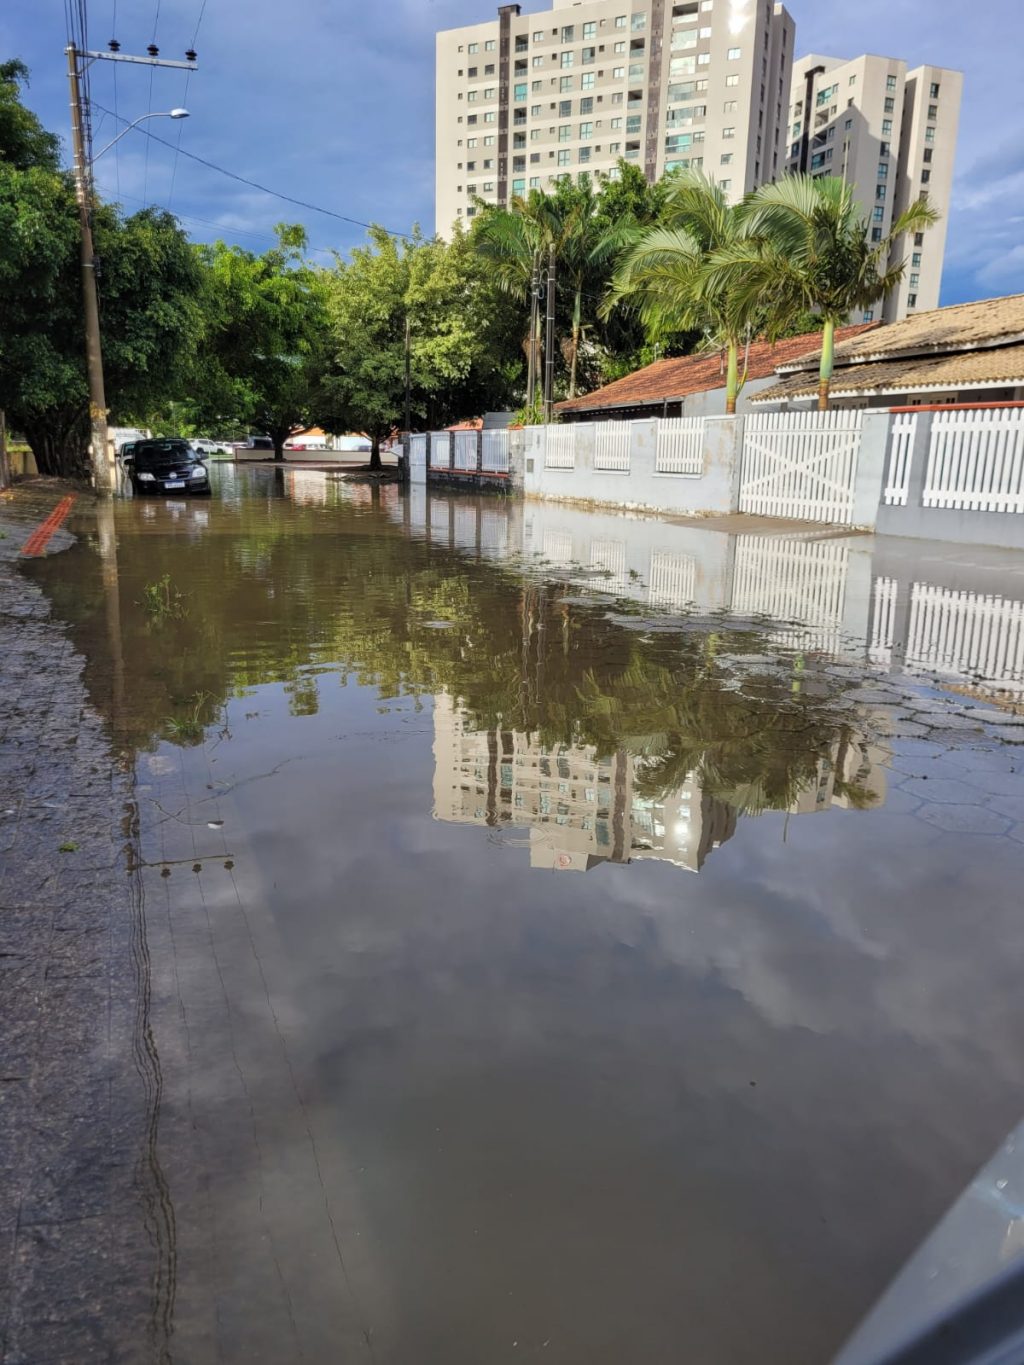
pixel 464 450
pixel 611 446
pixel 494 455
pixel 608 559
pixel 793 581
pixel 673 579
pixel 560 447
pixel 800 464
pixel 680 446
pixel 901 449
pixel 440 450
pixel 976 460
pixel 883 623
pixel 957 632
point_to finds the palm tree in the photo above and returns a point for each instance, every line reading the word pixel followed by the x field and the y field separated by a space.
pixel 514 242
pixel 804 245
pixel 664 274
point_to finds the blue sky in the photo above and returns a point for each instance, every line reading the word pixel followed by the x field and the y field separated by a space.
pixel 332 101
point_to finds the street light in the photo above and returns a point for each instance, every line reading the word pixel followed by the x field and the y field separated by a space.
pixel 169 113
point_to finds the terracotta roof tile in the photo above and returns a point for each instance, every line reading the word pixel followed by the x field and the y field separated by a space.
pixel 670 380
pixel 1004 365
pixel 960 327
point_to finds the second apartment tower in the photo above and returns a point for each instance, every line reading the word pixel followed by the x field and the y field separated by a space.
pixel 524 100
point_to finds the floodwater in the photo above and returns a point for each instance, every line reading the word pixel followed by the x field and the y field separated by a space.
pixel 572 938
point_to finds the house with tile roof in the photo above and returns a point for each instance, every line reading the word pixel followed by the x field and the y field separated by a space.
pixel 966 353
pixel 694 385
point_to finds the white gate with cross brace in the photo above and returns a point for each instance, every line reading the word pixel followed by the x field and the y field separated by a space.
pixel 801 465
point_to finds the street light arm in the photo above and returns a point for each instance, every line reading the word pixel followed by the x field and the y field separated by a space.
pixel 173 113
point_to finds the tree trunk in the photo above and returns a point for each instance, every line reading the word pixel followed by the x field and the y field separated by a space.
pixel 828 342
pixel 575 343
pixel 60 445
pixel 279 441
pixel 732 377
pixel 375 452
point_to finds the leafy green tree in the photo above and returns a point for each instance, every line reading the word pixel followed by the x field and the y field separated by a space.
pixel 262 355
pixel 460 357
pixel 148 279
pixel 665 275
pixel 804 245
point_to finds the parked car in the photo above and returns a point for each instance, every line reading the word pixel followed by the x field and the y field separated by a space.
pixel 167 465
pixel 203 446
pixel 253 443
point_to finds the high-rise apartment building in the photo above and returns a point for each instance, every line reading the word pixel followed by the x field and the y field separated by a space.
pixel 892 134
pixel 527 98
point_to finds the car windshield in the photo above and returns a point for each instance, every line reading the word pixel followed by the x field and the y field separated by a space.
pixel 153 453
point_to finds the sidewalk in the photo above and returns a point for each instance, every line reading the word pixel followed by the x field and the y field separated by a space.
pixel 86 1228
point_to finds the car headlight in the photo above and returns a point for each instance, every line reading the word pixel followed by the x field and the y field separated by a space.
pixel 199 472
pixel 143 477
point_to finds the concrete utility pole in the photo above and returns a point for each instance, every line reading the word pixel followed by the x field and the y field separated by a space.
pixel 549 340
pixel 102 468
pixel 532 357
pixel 102 462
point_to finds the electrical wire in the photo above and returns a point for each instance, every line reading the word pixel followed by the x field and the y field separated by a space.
pixel 149 105
pixel 265 189
pixel 117 149
pixel 267 235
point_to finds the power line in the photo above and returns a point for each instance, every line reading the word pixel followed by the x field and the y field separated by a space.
pixel 117 149
pixel 266 235
pixel 264 189
pixel 184 100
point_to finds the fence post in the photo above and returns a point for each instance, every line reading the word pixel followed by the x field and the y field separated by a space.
pixel 870 470
pixel 479 449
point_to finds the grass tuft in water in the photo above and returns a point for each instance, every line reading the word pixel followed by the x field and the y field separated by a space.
pixel 162 600
pixel 190 726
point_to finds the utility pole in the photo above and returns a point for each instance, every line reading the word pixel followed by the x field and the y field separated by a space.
pixel 408 375
pixel 78 62
pixel 532 357
pixel 102 472
pixel 5 473
pixel 549 340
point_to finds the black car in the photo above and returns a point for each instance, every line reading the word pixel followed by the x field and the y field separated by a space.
pixel 166 465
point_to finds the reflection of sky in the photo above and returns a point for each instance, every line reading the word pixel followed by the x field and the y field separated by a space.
pixel 643 1116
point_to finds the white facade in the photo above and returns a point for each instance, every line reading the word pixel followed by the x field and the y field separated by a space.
pixel 527 98
pixel 891 133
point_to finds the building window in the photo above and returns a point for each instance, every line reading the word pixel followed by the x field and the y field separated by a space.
pixel 538 36
pixel 519 93
pixel 887 127
pixel 587 81
pixel 536 87
pixel 489 92
pixel 878 213
pixel 586 131
pixel 639 21
pixel 470 142
pixel 620 21
pixel 489 140
pixel 876 234
pixel 618 73
pixel 584 154
pixel 733 54
pixel 728 132
pixel 488 187
pixel 915 280
pixel 911 300
pixel 470 165
pixel 488 163
pixel 919 239
pixel 471 95
pixel 518 186
pixel 916 258
pixel 926 175
pixel 564 83
pixel 890 104
pixel 615 148
pixel 852 80
pixel 933 92
pixel 732 80
pixel 587 104
pixel 564 156
pixel 883 149
pixel 568 58
pixel 490 45
pixel 471 189
pixel 725 159
pixel 890 83
pixel 880 191
pixel 883 169
pixel 703 58
pixel 473 48
pixel 534 182
pixel 565 132
pixel 725 184
pixel 929 134
pixel 522 42
pixel 470 118
pixel 589 30
pixel 928 156
pixel 489 117
pixel 568 33
pixel 933 111
pixel 538 60
pixel 587 55
pixel 729 107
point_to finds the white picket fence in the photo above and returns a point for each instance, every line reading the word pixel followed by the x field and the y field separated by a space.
pixel 418 449
pixel 902 434
pixel 611 446
pixel 672 580
pixel 464 450
pixel 976 460
pixel 883 622
pixel 440 450
pixel 494 456
pixel 559 447
pixel 680 448
pixel 801 465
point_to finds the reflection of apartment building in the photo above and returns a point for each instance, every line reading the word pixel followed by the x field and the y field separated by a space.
pixel 891 133
pixel 527 99
pixel 852 777
pixel 580 809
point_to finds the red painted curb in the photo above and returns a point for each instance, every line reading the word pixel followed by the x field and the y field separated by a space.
pixel 40 537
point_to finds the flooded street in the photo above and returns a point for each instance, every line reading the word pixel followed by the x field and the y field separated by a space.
pixel 566 937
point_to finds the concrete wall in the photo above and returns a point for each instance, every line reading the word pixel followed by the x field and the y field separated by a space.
pixel 715 490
